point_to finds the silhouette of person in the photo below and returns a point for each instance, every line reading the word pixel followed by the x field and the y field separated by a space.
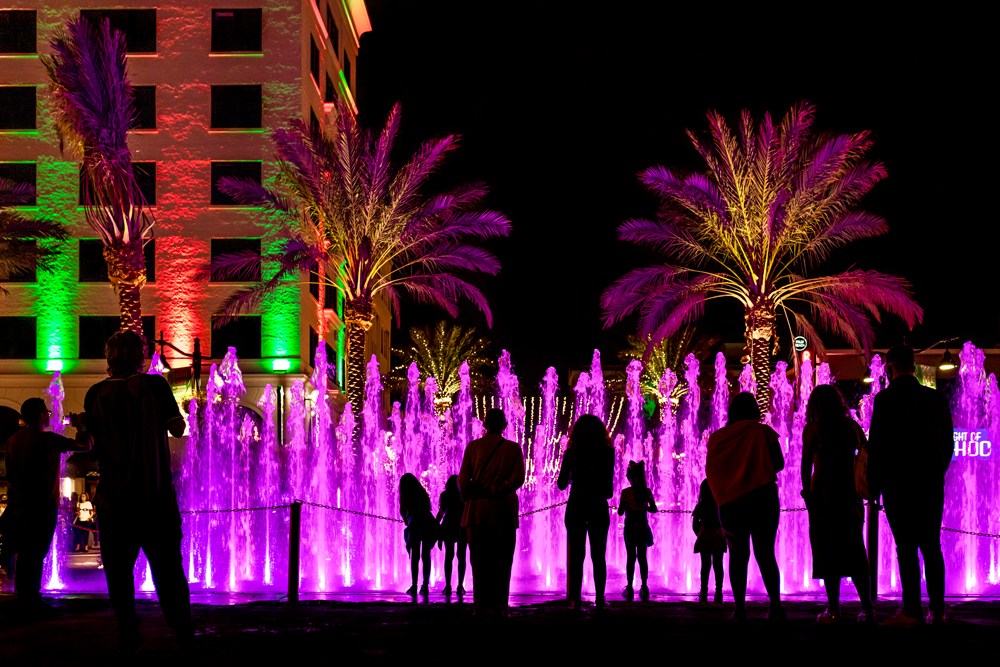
pixel 450 510
pixel 492 471
pixel 743 460
pixel 829 441
pixel 33 458
pixel 589 466
pixel 421 529
pixel 711 541
pixel 911 444
pixel 636 503
pixel 129 415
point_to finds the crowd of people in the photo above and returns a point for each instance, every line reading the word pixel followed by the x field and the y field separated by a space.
pixel 903 460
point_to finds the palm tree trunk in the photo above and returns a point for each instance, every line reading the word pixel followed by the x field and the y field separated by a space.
pixel 358 319
pixel 127 273
pixel 760 330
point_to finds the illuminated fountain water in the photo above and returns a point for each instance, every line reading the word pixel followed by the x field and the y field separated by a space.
pixel 234 459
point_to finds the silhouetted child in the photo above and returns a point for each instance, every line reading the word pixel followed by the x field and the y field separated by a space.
pixel 450 509
pixel 421 528
pixel 636 502
pixel 711 542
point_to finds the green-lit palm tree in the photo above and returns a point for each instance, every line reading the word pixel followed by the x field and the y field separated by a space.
pixel 94 112
pixel 439 354
pixel 344 207
pixel 669 352
pixel 19 236
pixel 775 201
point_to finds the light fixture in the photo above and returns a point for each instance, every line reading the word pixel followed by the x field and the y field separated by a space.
pixel 281 364
pixel 54 365
pixel 867 379
pixel 947 362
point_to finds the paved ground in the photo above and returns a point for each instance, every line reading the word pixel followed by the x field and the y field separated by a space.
pixel 540 630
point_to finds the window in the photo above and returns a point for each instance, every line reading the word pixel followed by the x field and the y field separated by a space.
pixel 26 275
pixel 222 247
pixel 94 268
pixel 314 60
pixel 17 337
pixel 17 31
pixel 17 107
pixel 347 69
pixel 145 107
pixel 331 27
pixel 236 30
pixel 329 295
pixel 331 356
pixel 331 92
pixel 243 333
pixel 145 178
pixel 244 169
pixel 138 26
pixel 95 330
pixel 314 125
pixel 20 173
pixel 236 106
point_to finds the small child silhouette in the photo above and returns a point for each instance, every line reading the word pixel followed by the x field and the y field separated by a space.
pixel 636 501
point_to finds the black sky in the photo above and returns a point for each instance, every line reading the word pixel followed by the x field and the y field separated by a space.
pixel 560 105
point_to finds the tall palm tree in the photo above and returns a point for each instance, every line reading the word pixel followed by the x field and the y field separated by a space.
pixel 346 209
pixel 773 205
pixel 439 354
pixel 94 112
pixel 17 252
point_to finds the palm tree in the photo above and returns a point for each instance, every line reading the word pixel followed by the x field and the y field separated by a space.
pixel 94 112
pixel 669 352
pixel 774 203
pixel 346 209
pixel 439 354
pixel 17 251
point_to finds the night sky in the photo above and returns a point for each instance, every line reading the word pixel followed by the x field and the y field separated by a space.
pixel 559 109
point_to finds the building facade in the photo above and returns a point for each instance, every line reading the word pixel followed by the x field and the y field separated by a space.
pixel 211 81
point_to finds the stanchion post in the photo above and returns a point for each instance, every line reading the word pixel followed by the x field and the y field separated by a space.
pixel 873 508
pixel 294 531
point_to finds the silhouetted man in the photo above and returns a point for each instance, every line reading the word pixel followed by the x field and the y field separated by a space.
pixel 910 447
pixel 129 415
pixel 492 471
pixel 33 458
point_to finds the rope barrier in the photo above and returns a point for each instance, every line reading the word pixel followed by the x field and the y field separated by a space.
pixel 969 532
pixel 341 509
pixel 542 509
pixel 237 509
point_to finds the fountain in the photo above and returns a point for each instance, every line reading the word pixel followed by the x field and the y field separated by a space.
pixel 235 459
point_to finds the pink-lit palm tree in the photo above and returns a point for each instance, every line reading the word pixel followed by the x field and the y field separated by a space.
pixel 94 112
pixel 775 201
pixel 345 208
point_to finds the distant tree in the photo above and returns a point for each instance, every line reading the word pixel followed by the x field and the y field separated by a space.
pixel 348 211
pixel 670 353
pixel 94 112
pixel 775 202
pixel 17 252
pixel 439 354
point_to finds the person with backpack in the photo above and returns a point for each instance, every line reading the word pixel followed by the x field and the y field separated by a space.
pixel 829 442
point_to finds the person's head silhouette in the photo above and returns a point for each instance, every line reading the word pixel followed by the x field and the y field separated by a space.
pixel 900 361
pixel 744 407
pixel 495 421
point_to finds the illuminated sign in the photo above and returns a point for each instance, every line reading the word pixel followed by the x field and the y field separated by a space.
pixel 800 343
pixel 973 443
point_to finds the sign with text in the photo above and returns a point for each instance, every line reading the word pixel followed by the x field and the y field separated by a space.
pixel 970 444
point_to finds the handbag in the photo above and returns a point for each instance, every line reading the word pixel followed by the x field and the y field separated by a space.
pixel 649 536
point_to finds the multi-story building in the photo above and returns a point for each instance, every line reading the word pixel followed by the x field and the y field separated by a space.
pixel 211 81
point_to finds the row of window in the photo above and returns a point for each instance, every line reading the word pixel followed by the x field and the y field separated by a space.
pixel 145 177
pixel 18 336
pixel 233 107
pixel 94 269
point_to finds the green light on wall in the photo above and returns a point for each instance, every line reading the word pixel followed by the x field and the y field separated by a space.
pixel 279 313
pixel 281 365
pixel 54 365
pixel 341 340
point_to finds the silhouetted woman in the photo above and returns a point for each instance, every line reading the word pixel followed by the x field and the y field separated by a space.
pixel 421 529
pixel 829 441
pixel 450 509
pixel 743 460
pixel 636 503
pixel 589 466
